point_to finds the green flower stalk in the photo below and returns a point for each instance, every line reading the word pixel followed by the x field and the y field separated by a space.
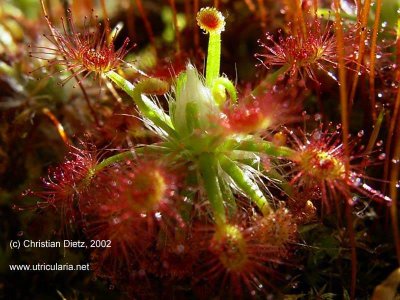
pixel 212 22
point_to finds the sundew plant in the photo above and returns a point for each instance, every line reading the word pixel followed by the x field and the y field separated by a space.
pixel 276 178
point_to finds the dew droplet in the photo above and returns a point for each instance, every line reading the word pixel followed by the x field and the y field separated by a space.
pixel 379 143
pixel 360 133
pixel 332 75
pixel 357 181
pixel 382 156
pixel 16 207
pixel 316 135
pixel 26 193
pixel 116 220
pixel 41 204
pixel 180 248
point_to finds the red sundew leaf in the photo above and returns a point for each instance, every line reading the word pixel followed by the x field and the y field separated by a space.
pixel 68 179
pixel 235 262
pixel 266 111
pixel 321 164
pixel 304 54
pixel 87 52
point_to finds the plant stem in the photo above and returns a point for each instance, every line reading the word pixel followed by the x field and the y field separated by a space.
pixel 263 13
pixel 394 182
pixel 130 154
pixel 264 147
pixel 229 198
pixel 208 167
pixel 112 160
pixel 105 14
pixel 269 81
pixel 395 114
pixel 374 134
pixel 345 125
pixel 176 28
pixel 361 48
pixel 145 105
pixel 372 58
pixel 213 58
pixel 394 135
pixel 247 157
pixel 147 24
pixel 244 182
